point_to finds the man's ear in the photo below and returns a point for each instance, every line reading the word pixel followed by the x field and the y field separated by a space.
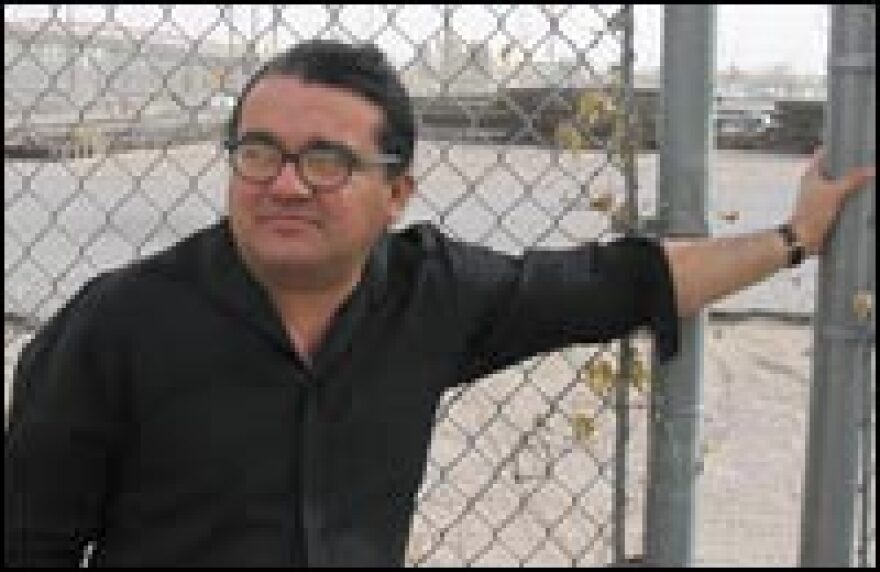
pixel 402 188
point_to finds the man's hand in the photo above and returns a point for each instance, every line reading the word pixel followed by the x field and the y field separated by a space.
pixel 820 200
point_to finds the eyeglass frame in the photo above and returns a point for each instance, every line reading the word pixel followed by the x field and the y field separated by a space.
pixel 353 159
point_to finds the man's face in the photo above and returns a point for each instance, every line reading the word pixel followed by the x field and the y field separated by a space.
pixel 282 225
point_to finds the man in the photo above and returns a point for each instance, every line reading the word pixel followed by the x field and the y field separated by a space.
pixel 263 392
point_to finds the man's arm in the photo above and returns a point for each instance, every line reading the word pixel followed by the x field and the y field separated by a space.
pixel 62 430
pixel 708 269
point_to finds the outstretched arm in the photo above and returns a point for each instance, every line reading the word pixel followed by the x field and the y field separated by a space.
pixel 704 270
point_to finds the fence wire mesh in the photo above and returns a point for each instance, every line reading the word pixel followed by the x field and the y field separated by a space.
pixel 113 116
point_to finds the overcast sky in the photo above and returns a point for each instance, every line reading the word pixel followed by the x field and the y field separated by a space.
pixel 750 37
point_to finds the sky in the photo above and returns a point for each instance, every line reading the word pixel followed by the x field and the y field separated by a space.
pixel 749 37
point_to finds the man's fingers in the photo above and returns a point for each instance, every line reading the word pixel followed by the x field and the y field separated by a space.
pixel 816 164
pixel 856 178
pixel 848 182
pixel 815 172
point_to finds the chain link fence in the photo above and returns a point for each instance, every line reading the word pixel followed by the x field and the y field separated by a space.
pixel 112 125
pixel 113 116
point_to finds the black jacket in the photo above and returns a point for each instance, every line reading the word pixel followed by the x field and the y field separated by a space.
pixel 164 414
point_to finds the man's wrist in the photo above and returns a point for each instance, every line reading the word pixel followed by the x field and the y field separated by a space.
pixel 796 252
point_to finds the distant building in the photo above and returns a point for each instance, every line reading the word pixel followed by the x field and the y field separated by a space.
pixel 451 65
pixel 149 85
pixel 111 70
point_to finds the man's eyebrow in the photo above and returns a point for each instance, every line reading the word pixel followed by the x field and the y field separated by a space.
pixel 262 136
pixel 312 143
pixel 322 144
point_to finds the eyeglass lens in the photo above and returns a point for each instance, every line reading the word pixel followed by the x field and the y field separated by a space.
pixel 318 167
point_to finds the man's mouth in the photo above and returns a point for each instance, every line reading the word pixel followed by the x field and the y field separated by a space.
pixel 288 221
pixel 288 217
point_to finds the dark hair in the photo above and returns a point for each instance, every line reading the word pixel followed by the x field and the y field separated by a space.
pixel 363 70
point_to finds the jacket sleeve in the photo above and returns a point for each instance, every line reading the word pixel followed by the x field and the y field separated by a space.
pixel 63 428
pixel 548 299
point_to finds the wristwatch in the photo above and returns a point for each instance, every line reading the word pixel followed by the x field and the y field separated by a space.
pixel 796 250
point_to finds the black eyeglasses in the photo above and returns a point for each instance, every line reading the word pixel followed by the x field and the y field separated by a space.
pixel 322 166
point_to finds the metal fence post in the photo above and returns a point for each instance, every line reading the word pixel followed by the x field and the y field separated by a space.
pixel 627 350
pixel 688 63
pixel 843 335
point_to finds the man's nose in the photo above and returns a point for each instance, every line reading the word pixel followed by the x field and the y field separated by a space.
pixel 289 184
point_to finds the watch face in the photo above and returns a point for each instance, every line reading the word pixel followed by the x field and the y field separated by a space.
pixel 797 255
pixel 796 251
